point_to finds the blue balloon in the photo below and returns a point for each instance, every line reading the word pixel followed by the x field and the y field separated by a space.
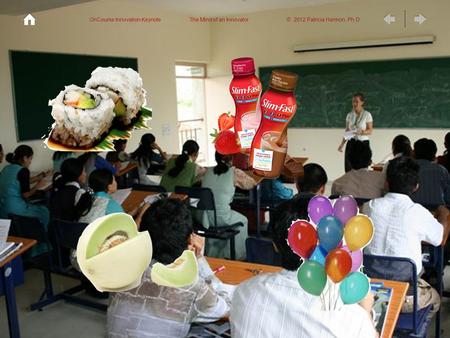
pixel 354 288
pixel 330 232
pixel 319 255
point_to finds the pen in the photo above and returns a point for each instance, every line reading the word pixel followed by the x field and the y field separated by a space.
pixel 219 269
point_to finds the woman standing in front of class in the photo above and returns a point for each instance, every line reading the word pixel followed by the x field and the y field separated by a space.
pixel 358 125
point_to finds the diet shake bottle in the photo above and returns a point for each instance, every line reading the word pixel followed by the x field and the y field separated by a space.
pixel 278 106
pixel 245 89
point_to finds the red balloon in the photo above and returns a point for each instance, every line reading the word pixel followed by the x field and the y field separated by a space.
pixel 302 238
pixel 338 264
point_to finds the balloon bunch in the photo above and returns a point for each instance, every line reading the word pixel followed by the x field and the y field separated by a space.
pixel 331 247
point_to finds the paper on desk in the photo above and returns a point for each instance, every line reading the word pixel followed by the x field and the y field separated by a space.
pixel 4 229
pixel 121 195
pixel 348 135
pixel 194 202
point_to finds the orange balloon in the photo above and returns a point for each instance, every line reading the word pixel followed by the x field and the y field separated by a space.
pixel 338 264
pixel 358 232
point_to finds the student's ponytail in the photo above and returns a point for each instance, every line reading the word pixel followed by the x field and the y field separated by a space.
pixel 222 164
pixel 9 157
pixel 19 153
pixel 190 147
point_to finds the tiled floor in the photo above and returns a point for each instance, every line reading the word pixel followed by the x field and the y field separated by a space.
pixel 63 320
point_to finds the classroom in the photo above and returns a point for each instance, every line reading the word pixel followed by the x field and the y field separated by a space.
pixel 361 89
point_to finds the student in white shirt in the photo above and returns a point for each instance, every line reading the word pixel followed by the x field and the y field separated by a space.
pixel 401 225
pixel 359 121
pixel 274 305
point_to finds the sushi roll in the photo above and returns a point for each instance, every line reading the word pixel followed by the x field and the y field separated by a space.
pixel 82 116
pixel 124 87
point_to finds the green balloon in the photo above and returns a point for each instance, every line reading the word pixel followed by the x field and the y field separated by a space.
pixel 312 277
pixel 354 288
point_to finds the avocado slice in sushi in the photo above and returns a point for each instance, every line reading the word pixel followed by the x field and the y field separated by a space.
pixel 120 109
pixel 112 254
pixel 79 100
pixel 182 272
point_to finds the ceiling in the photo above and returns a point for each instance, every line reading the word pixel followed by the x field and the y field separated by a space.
pixel 193 7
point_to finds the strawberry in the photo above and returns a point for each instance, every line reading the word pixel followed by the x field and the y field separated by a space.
pixel 226 121
pixel 226 142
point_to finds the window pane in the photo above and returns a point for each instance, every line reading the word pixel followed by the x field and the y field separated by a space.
pixel 190 99
pixel 190 71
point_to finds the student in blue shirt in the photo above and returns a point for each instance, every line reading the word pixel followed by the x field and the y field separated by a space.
pixel 103 183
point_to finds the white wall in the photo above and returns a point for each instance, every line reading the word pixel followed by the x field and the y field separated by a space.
pixel 68 30
pixel 268 38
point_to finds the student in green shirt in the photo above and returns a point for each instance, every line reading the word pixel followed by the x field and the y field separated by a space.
pixel 182 170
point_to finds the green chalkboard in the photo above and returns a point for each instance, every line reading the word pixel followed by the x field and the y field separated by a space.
pixel 38 77
pixel 399 94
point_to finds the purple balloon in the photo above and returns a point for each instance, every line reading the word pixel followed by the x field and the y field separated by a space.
pixel 318 207
pixel 345 208
pixel 357 258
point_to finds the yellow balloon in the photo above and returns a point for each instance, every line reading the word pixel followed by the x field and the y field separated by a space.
pixel 358 232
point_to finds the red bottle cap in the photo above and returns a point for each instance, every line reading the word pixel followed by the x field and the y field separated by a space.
pixel 243 66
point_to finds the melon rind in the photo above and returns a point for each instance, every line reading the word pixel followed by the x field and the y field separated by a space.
pixel 121 267
pixel 174 275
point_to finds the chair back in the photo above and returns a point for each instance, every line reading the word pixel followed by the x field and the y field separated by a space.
pixel 205 196
pixel 28 227
pixel 397 269
pixel 147 187
pixel 67 233
pixel 261 251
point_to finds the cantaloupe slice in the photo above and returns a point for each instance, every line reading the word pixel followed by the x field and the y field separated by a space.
pixel 112 254
pixel 182 272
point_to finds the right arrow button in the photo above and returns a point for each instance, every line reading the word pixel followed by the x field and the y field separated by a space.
pixel 419 18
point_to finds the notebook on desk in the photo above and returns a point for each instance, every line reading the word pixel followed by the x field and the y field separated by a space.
pixel 380 308
pixel 6 248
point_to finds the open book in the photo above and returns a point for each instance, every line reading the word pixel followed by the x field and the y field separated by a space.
pixel 381 303
pixel 6 248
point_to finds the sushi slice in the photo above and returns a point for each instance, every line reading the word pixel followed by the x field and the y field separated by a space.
pixel 82 116
pixel 124 87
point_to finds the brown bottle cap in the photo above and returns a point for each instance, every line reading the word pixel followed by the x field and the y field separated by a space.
pixel 283 81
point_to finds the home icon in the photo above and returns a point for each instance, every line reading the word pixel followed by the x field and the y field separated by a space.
pixel 29 20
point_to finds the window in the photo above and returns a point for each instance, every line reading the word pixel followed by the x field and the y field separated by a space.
pixel 190 78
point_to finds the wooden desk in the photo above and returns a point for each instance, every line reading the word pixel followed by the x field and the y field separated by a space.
pixel 127 169
pixel 137 197
pixel 236 272
pixel 8 284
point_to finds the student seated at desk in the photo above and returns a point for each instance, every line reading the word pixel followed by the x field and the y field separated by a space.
pixel 103 183
pixel 182 169
pixel 69 201
pixel 151 310
pixel 434 181
pixel 118 158
pixel 222 180
pixel 274 304
pixel 313 181
pixel 360 181
pixel 15 189
pixel 93 161
pixel 444 159
pixel 149 154
pixel 59 157
pixel 401 146
pixel 401 225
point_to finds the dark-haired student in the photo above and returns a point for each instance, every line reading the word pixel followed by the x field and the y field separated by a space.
pixel 222 180
pixel 401 146
pixel 151 310
pixel 182 169
pixel 103 184
pixel 2 154
pixel 444 159
pixel 434 182
pixel 401 225
pixel 59 157
pixel 360 181
pixel 15 189
pixel 93 161
pixel 119 157
pixel 274 305
pixel 69 200
pixel 313 181
pixel 147 154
